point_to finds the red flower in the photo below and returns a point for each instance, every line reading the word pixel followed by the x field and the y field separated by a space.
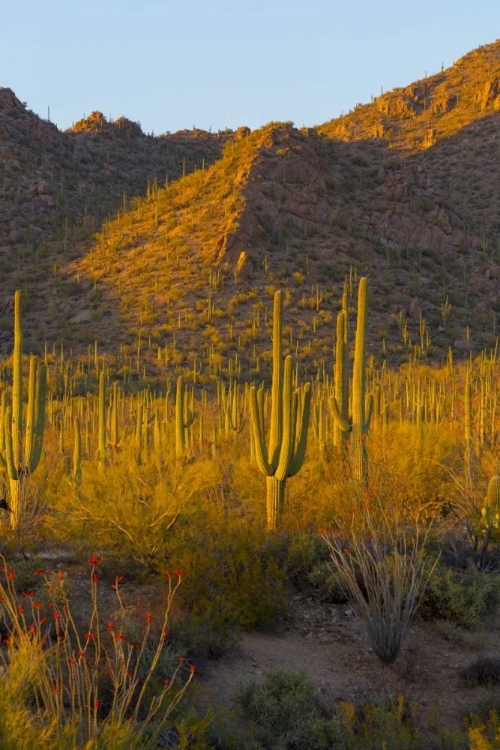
pixel 164 634
pixel 10 574
pixel 97 703
pixel 61 574
pixel 89 637
pixel 56 616
pixel 149 617
pixel 182 659
pixel 114 585
pixel 110 626
pixel 94 560
pixel 20 610
pixel 29 594
pixel 39 572
pixel 179 573
pixel 192 668
pixel 166 681
pixel 95 578
pixel 169 575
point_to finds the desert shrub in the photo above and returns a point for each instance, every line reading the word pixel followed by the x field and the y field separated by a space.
pixel 392 724
pixel 130 510
pixel 232 579
pixel 484 735
pixel 302 553
pixel 305 559
pixel 288 718
pixel 284 709
pixel 217 728
pixel 482 671
pixel 462 598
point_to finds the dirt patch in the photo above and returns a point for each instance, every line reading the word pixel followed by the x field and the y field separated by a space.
pixel 328 644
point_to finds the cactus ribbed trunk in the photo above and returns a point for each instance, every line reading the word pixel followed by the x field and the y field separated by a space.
pixel 359 428
pixel 275 496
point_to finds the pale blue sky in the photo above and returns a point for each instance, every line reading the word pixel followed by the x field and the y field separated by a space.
pixel 225 63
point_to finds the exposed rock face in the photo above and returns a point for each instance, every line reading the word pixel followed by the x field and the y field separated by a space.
pixel 490 95
pixel 430 138
pixel 9 101
pixel 96 122
pixel 444 103
pixel 398 106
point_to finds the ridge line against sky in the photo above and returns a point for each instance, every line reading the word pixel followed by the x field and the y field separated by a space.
pixel 218 63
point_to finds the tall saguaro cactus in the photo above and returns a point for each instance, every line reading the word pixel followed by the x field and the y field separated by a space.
pixel 290 412
pixel 23 436
pixel 183 419
pixel 341 374
pixel 359 422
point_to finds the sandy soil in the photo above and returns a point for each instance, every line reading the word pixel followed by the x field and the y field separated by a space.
pixel 328 644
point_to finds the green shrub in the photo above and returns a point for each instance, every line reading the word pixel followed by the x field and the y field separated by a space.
pixel 232 581
pixel 462 598
pixel 283 707
pixel 392 724
pixel 482 671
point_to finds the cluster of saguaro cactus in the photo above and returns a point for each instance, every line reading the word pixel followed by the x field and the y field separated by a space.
pixel 290 412
pixel 358 423
pixel 21 436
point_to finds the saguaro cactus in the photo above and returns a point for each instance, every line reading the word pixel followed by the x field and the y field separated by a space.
pixel 362 405
pixel 23 444
pixel 341 375
pixel 290 412
pixel 183 420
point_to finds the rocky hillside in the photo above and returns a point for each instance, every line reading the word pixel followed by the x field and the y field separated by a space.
pixel 57 188
pixel 197 263
pixel 450 124
pixel 402 189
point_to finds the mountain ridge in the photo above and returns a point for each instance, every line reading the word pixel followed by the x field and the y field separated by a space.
pixel 253 211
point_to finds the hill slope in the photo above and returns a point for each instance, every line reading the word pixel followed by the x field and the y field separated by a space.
pixel 191 267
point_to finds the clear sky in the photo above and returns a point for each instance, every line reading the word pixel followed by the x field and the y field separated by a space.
pixel 173 64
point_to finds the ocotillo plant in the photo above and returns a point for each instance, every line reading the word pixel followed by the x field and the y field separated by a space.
pixel 23 445
pixel 290 411
pixel 358 424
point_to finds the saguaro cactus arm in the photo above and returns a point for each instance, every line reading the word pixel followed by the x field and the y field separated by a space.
pixel 258 434
pixel 302 425
pixel 340 420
